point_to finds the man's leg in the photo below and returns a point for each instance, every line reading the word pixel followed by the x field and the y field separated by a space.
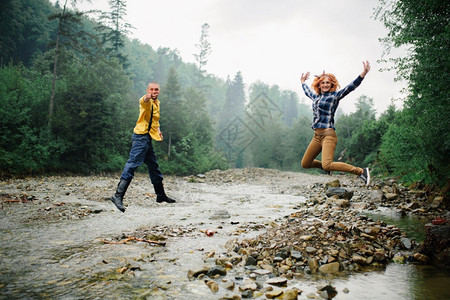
pixel 156 176
pixel 137 155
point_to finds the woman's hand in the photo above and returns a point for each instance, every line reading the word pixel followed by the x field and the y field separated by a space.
pixel 366 68
pixel 304 77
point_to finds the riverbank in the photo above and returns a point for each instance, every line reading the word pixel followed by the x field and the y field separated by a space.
pixel 61 238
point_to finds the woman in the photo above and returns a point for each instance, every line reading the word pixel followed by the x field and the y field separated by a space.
pixel 325 101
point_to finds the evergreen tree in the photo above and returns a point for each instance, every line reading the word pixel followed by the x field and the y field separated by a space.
pixel 290 107
pixel 70 33
pixel 114 29
pixel 172 116
pixel 234 104
pixel 422 26
pixel 204 48
pixel 24 29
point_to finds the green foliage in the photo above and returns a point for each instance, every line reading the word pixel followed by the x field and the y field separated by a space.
pixel 423 27
pixel 113 30
pixel 91 114
pixel 294 144
pixel 95 101
pixel 24 30
pixel 364 143
pixel 23 146
pixel 398 153
pixel 358 133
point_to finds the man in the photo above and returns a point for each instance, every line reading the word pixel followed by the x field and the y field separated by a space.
pixel 146 129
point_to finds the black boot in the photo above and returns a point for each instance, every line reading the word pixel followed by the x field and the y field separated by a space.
pixel 117 199
pixel 161 195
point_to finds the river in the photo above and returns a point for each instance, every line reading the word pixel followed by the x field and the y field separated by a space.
pixel 53 239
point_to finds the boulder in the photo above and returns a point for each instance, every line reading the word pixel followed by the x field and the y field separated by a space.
pixel 339 192
pixel 437 245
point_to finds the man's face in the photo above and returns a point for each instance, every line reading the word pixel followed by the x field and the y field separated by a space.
pixel 153 90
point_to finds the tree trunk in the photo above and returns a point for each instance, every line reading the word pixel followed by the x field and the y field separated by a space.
pixel 170 144
pixel 55 64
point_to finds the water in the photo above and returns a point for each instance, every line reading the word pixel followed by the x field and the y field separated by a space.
pixel 65 258
pixel 413 225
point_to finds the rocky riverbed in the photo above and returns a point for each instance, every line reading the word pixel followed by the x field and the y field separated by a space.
pixel 240 233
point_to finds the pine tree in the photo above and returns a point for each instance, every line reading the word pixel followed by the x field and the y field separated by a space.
pixel 114 29
pixel 204 48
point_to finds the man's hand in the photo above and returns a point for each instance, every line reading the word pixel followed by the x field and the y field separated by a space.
pixel 147 98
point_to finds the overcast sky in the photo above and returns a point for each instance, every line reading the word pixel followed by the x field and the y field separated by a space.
pixel 273 41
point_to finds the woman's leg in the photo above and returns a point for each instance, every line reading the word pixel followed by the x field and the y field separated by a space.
pixel 329 142
pixel 314 148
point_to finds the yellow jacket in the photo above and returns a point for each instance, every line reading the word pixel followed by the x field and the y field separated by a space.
pixel 145 110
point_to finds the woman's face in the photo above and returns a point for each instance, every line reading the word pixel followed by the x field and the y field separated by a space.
pixel 325 85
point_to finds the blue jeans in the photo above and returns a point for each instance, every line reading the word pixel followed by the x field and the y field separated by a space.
pixel 142 152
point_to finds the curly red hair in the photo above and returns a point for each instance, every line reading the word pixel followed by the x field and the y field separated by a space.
pixel 316 82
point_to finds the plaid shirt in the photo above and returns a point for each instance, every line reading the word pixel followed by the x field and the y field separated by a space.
pixel 324 105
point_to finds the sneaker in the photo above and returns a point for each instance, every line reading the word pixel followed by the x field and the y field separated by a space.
pixel 365 176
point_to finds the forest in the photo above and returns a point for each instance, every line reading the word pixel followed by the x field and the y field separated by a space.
pixel 69 84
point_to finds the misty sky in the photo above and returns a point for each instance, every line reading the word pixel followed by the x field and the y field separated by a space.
pixel 273 41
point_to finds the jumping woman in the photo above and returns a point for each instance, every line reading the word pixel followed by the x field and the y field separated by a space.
pixel 325 101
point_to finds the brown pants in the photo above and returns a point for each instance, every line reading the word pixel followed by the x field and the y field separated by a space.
pixel 325 140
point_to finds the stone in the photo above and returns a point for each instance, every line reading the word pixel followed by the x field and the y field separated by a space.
pixel 421 257
pixel 213 286
pixel 339 192
pixel 248 286
pixel 329 268
pixel 379 255
pixel 358 259
pixel 313 265
pixel 291 294
pixel 329 290
pixel 310 249
pixel 262 272
pixel 436 244
pixel 229 285
pixel 376 196
pixel 216 270
pixel 277 281
pixel 230 297
pixel 251 261
pixel 413 205
pixel 399 259
pixel 273 294
pixel 296 255
pixel 437 202
pixel 247 294
pixel 334 183
pixel 220 214
pixel 406 243
pixel 391 196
